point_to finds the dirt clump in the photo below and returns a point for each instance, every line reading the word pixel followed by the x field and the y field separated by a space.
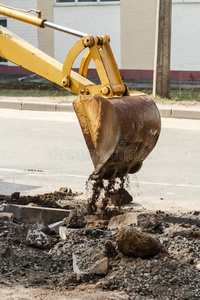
pixel 90 257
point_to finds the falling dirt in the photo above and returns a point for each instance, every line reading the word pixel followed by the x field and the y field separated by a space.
pixel 103 191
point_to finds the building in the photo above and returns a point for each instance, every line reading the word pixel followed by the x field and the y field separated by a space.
pixel 130 25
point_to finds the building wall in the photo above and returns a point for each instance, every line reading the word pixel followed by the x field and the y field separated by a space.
pixel 46 36
pixel 92 19
pixel 131 26
pixel 138 21
pixel 185 53
pixel 23 30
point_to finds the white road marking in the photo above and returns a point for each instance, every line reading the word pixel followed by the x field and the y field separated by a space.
pixel 166 184
pixel 37 173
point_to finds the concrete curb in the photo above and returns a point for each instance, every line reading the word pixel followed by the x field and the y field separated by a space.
pixel 32 214
pixel 182 113
pixel 37 106
pixel 165 112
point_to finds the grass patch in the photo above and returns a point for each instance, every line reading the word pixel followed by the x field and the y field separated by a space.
pixel 32 89
pixel 185 95
pixel 35 93
pixel 29 89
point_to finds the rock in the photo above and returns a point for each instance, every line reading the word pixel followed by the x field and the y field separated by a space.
pixel 132 242
pixel 100 267
pixel 15 195
pixel 190 260
pixel 191 232
pixel 196 213
pixel 64 190
pixel 67 204
pixel 4 250
pixel 122 220
pixel 62 232
pixel 110 250
pixel 6 217
pixel 41 226
pixel 75 263
pixel 85 259
pixel 149 221
pixel 94 221
pixel 197 266
pixel 120 197
pixel 110 212
pixel 180 220
pixel 56 226
pixel 76 218
pixel 39 239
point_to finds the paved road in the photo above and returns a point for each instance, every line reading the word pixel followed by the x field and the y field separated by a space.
pixel 43 151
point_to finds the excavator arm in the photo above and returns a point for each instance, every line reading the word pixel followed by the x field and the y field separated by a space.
pixel 120 128
pixel 22 53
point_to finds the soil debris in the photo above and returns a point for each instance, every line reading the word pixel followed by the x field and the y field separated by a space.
pixel 170 275
pixel 46 200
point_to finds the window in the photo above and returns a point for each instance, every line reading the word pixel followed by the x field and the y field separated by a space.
pixel 87 2
pixel 3 22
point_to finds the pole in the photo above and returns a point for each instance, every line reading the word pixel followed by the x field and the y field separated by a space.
pixel 161 80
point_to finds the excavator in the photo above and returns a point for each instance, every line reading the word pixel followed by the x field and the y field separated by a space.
pixel 120 127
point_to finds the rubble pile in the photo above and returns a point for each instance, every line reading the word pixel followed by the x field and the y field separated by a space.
pixel 138 252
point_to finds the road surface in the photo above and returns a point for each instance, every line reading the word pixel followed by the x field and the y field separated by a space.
pixel 43 151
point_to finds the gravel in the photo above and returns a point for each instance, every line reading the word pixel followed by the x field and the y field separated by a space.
pixel 174 274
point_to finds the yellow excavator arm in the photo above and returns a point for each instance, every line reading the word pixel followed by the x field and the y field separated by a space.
pixel 21 53
pixel 120 128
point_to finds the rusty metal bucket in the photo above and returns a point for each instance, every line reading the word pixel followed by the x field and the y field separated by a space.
pixel 120 132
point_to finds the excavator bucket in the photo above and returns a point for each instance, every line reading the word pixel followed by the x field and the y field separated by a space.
pixel 120 132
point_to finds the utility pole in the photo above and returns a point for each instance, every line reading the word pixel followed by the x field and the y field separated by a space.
pixel 161 80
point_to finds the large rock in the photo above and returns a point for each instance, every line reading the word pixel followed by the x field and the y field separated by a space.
pixel 41 226
pixel 110 250
pixel 39 239
pixel 100 267
pixel 132 242
pixel 122 220
pixel 149 221
pixel 188 232
pixel 76 218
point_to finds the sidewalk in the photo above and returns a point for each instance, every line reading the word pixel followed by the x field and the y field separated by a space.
pixel 65 105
